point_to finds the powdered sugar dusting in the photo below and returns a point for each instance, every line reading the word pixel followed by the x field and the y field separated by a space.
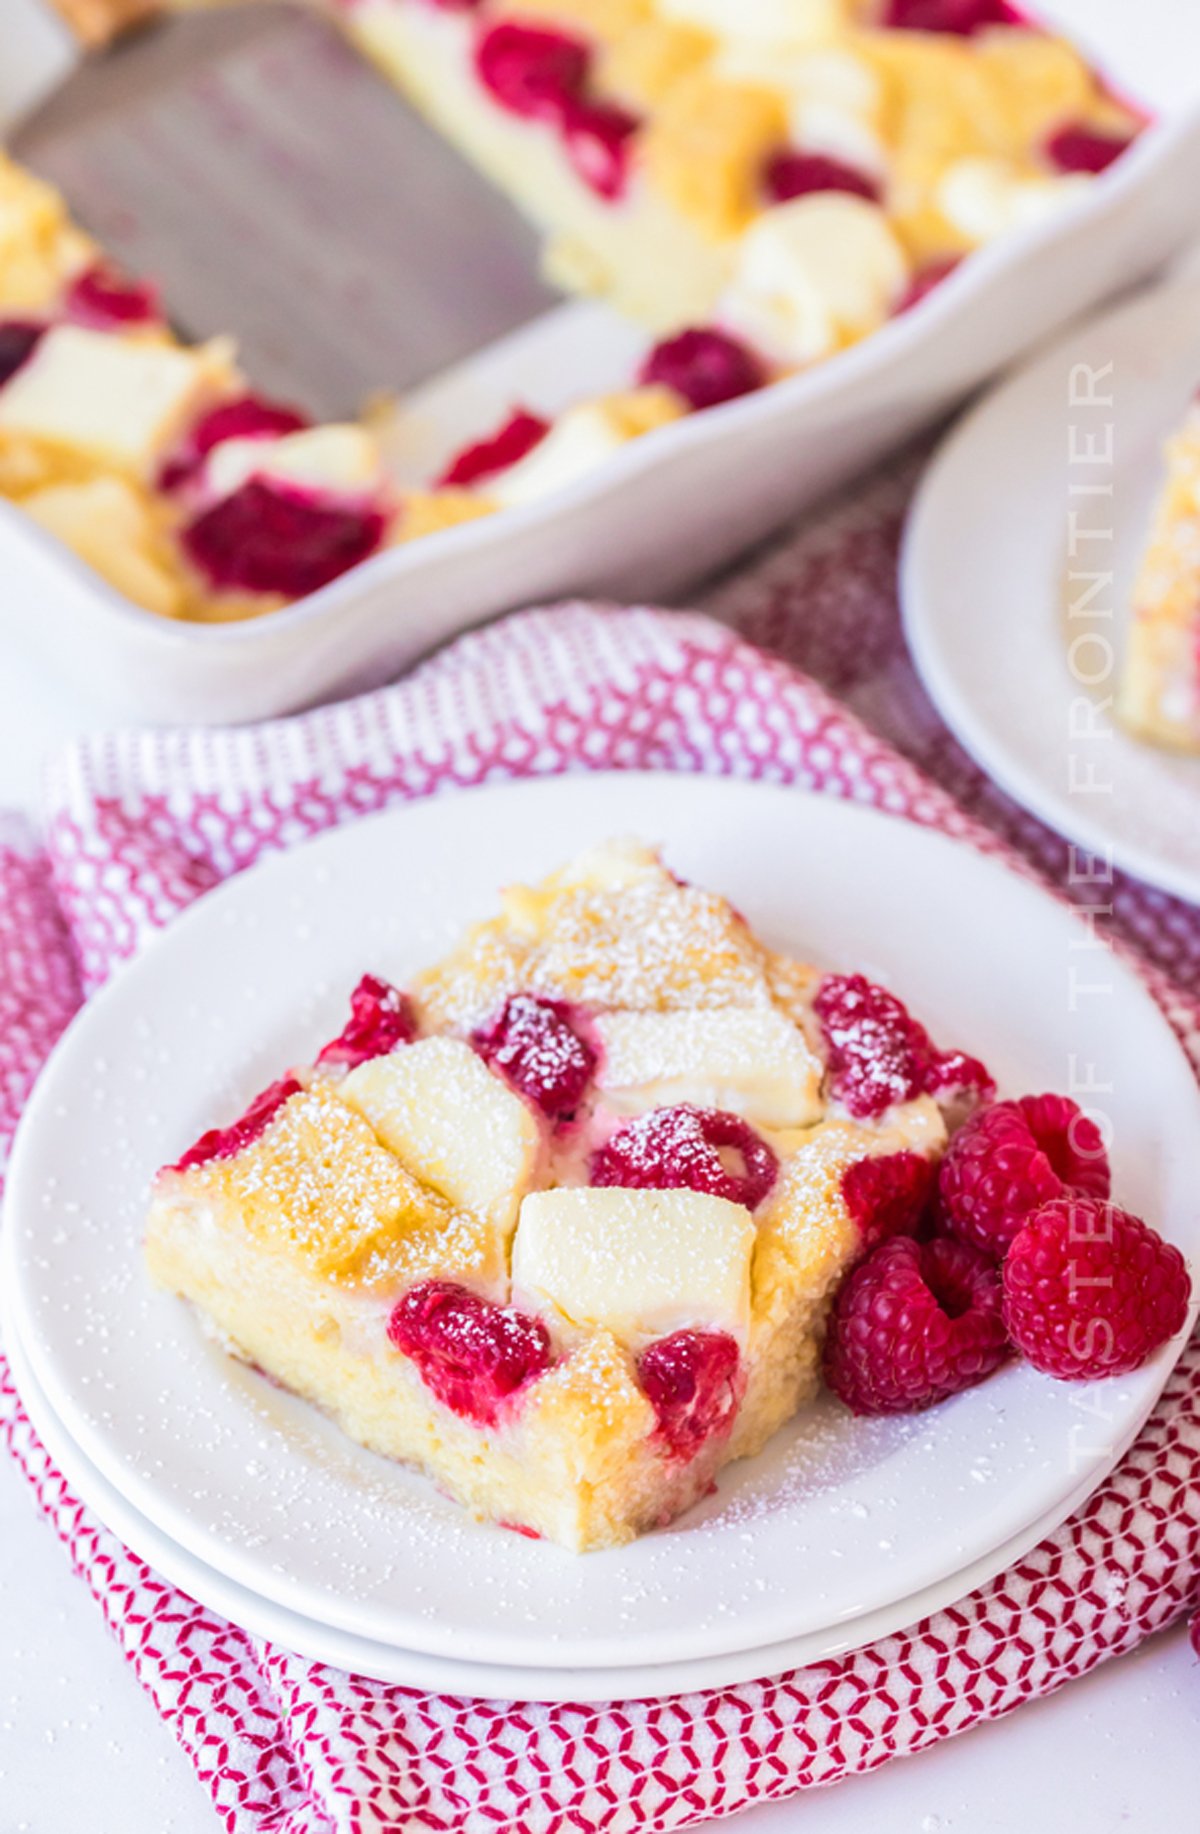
pixel 698 1148
pixel 319 1186
pixel 653 945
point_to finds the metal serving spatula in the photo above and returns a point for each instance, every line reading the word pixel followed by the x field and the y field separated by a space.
pixel 276 187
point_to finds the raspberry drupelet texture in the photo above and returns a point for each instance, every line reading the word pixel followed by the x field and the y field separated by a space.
pixel 689 1148
pixel 887 1195
pixel 691 1381
pixel 1009 1159
pixel 381 1017
pixel 879 1055
pixel 535 1047
pixel 1091 1291
pixel 914 1323
pixel 473 1354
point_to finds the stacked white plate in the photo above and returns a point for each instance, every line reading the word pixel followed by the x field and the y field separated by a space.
pixel 841 1531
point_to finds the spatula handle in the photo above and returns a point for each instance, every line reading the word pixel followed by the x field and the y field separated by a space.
pixel 98 22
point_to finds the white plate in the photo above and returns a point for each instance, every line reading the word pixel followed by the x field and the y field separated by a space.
pixel 838 1517
pixel 411 1668
pixel 985 585
pixel 669 508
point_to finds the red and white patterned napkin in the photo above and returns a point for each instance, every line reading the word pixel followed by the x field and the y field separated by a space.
pixel 140 824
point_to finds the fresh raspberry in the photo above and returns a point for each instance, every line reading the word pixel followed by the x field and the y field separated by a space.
pixel 962 17
pixel 915 1322
pixel 1009 1159
pixel 1070 1140
pixel 1091 1291
pixel 274 538
pixel 1080 148
pixel 531 70
pixel 380 1018
pixel 473 1354
pixel 691 1149
pixel 925 281
pixel 225 1142
pixel 957 1080
pixel 691 1381
pixel 886 1195
pixel 102 298
pixel 248 417
pixel 18 341
pixel 705 366
pixel 599 142
pixel 533 1044
pixel 993 1177
pixel 792 174
pixel 879 1055
pixel 484 458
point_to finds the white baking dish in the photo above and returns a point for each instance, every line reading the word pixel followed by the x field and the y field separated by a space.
pixel 672 506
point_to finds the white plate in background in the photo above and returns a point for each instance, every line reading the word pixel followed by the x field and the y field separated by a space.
pixel 985 588
pixel 671 507
pixel 839 1518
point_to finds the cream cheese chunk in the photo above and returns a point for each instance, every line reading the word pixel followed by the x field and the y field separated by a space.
pixel 986 198
pixel 581 438
pixel 763 21
pixel 339 459
pixel 812 275
pixel 638 1263
pixel 116 401
pixel 439 1108
pixel 750 1061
